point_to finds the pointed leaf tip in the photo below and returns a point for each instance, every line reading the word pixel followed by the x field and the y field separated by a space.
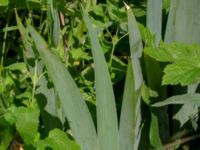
pixel 127 6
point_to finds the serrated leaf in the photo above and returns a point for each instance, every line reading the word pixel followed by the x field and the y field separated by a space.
pixel 173 52
pixel 58 140
pixel 182 73
pixel 159 54
pixel 27 122
pixel 185 62
pixel 180 30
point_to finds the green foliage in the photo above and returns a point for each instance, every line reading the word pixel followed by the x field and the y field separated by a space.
pixel 57 139
pixel 95 75
pixel 184 67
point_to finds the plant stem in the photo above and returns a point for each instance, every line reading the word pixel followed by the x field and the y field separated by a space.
pixel 34 80
pixel 3 51
pixel 2 58
pixel 180 142
pixel 113 48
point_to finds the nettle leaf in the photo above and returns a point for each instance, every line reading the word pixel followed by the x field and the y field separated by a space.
pixel 183 73
pixel 185 67
pixel 27 122
pixel 58 140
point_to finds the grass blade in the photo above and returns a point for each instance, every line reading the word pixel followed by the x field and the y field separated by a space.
pixel 106 110
pixel 183 22
pixel 180 99
pixel 136 52
pixel 128 118
pixel 53 23
pixel 135 47
pixel 154 18
pixel 73 105
pixel 159 122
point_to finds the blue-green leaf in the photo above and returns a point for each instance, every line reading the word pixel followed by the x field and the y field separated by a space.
pixel 107 124
pixel 128 112
pixel 75 109
pixel 180 99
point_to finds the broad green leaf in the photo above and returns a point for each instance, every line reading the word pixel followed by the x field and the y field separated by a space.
pixel 128 112
pixel 180 99
pixel 27 122
pixel 183 69
pixel 173 52
pixel 58 140
pixel 107 124
pixel 74 107
pixel 181 72
pixel 161 53
pixel 136 48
